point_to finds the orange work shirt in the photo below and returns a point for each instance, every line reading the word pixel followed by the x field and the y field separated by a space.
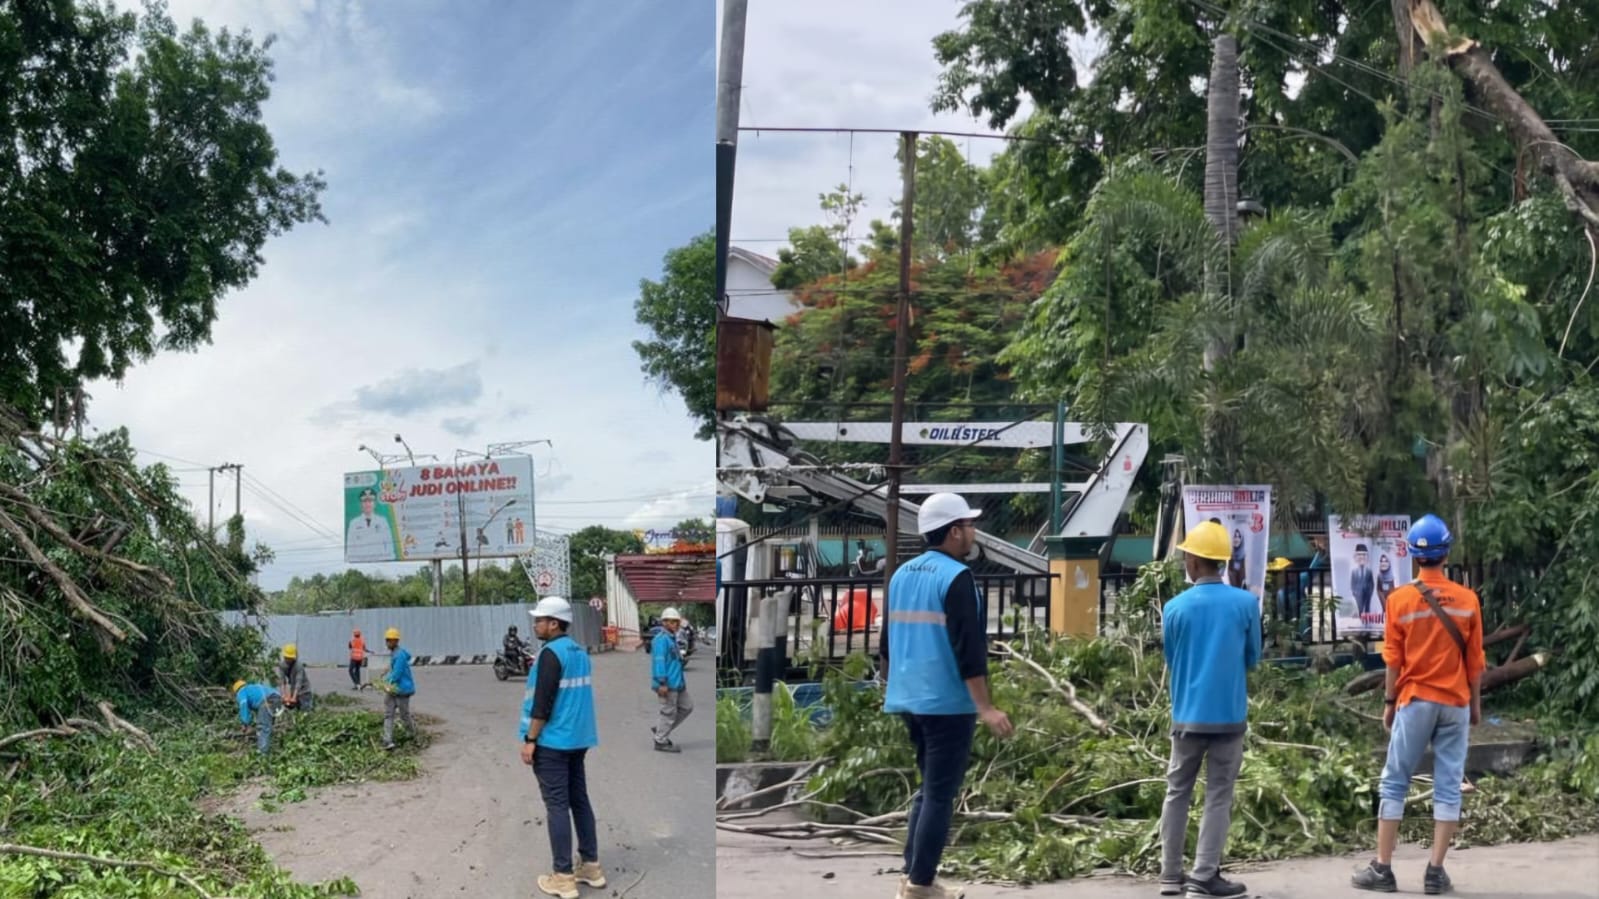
pixel 1417 643
pixel 358 649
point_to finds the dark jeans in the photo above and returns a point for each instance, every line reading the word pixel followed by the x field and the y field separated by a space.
pixel 355 672
pixel 943 747
pixel 565 789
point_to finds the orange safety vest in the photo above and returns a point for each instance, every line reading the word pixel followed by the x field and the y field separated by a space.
pixel 358 649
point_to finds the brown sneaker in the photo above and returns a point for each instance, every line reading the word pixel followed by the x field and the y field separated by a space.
pixel 589 873
pixel 562 886
pixel 938 890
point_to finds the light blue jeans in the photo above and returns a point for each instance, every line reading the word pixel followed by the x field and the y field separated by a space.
pixel 1415 725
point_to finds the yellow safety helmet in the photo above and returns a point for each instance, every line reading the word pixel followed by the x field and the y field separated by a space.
pixel 1278 564
pixel 1208 541
pixel 392 633
pixel 237 686
pixel 290 652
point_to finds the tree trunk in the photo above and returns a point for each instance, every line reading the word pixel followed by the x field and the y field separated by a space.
pixel 1513 671
pixel 1221 173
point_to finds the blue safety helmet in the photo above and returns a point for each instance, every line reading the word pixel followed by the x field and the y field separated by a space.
pixel 1429 539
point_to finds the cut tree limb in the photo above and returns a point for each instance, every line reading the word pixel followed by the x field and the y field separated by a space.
pixel 1371 680
pixel 1059 685
pixel 1513 671
pixel 1577 178
pixel 18 849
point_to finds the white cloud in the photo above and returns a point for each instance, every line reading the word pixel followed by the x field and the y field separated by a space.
pixel 666 511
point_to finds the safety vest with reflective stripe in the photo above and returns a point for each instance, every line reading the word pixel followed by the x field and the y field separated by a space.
pixel 571 724
pixel 923 678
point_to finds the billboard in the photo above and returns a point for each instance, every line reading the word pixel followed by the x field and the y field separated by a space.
pixel 417 514
pixel 1369 559
pixel 549 566
pixel 1246 514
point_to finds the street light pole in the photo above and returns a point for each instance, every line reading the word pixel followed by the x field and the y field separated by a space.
pixel 408 455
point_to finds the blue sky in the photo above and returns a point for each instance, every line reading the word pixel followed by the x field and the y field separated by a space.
pixel 500 176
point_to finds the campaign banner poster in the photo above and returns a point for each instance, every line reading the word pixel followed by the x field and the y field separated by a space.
pixel 1246 514
pixel 1369 559
pixel 417 514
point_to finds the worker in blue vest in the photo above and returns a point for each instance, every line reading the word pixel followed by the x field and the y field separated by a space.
pixel 258 704
pixel 557 731
pixel 935 657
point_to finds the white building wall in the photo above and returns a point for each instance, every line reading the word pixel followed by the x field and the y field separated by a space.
pixel 751 294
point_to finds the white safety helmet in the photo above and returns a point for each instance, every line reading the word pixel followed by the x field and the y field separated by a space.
pixel 552 607
pixel 671 615
pixel 941 509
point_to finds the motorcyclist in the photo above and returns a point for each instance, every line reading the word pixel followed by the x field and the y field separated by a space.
pixel 513 646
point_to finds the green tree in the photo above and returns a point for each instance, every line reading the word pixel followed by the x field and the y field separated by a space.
pixel 680 311
pixel 812 253
pixel 694 530
pixel 589 547
pixel 139 186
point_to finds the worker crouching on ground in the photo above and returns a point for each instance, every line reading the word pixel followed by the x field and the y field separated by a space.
pixel 294 682
pixel 398 688
pixel 1432 643
pixel 258 705
pixel 357 659
pixel 935 656
pixel 1211 635
pixel 666 672
pixel 557 731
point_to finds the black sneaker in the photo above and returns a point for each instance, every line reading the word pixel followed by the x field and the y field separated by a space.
pixel 1216 886
pixel 1436 882
pixel 1375 878
pixel 1173 886
pixel 667 746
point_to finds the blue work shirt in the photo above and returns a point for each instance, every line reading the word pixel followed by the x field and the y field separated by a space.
pixel 250 698
pixel 1212 639
pixel 400 673
pixel 666 662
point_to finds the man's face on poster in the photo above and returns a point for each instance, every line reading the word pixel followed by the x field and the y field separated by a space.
pixel 1360 558
pixel 368 502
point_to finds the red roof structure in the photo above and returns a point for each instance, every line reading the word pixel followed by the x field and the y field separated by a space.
pixel 669 578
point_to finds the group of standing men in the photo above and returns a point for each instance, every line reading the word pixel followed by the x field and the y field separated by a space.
pixel 557 725
pixel 934 660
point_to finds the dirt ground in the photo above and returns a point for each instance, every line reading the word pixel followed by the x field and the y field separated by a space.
pixel 473 824
pixel 749 867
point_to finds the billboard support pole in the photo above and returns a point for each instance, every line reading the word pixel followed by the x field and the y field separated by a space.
pixel 438 582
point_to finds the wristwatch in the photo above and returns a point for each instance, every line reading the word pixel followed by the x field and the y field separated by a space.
pixel 1392 700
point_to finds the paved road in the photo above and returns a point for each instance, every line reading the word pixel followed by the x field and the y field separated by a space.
pixel 473 825
pixel 750 867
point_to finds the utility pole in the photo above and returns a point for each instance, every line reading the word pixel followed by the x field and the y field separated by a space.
pixel 729 83
pixel 901 351
pixel 211 493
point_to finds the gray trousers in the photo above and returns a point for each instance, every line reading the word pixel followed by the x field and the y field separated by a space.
pixel 1222 755
pixel 674 708
pixel 391 703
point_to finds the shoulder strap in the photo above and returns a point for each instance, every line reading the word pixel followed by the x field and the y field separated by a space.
pixel 1448 622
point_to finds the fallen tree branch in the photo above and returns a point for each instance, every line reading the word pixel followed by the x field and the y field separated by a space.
pixel 38 517
pixel 18 849
pixel 62 731
pixel 1130 783
pixel 1511 672
pixel 1059 685
pixel 796 780
pixel 119 724
pixel 106 631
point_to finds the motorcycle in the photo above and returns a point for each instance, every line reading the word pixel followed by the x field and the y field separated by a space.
pixel 505 667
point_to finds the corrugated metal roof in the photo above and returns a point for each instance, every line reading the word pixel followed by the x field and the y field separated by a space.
pixel 669 578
